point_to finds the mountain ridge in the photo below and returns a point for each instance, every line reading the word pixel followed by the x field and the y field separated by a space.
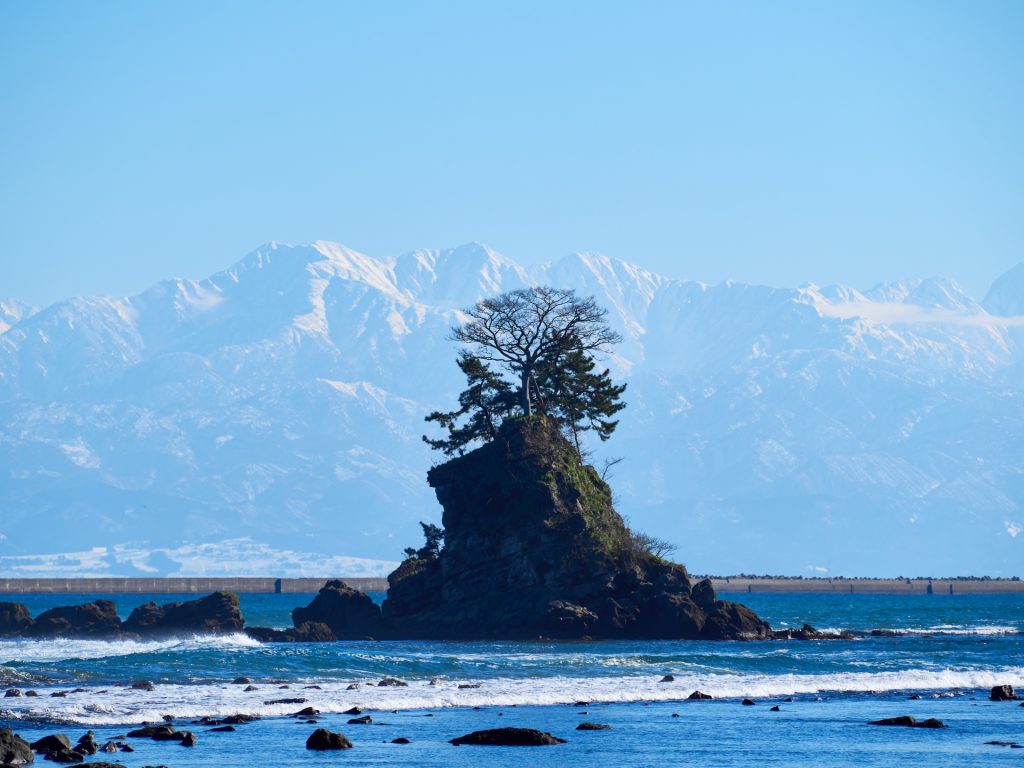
pixel 282 398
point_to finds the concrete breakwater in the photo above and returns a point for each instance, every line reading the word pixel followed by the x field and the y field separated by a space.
pixel 245 584
pixel 179 585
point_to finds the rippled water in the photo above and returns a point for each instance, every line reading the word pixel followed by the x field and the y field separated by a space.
pixel 947 649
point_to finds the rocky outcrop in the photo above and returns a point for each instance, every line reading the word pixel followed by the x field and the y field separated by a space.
pixel 349 613
pixel 1002 693
pixel 14 619
pixel 534 547
pixel 97 619
pixel 217 613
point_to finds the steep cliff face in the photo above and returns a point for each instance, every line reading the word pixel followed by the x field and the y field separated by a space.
pixel 533 546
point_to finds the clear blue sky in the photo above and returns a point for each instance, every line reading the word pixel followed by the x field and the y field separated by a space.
pixel 767 142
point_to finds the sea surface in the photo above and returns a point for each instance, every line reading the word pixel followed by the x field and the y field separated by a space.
pixel 940 658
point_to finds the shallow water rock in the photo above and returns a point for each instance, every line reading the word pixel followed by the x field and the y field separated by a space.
pixel 699 696
pixel 1002 693
pixel 12 693
pixel 668 679
pixel 508 737
pixel 401 740
pixel 593 727
pixel 223 729
pixel 51 743
pixel 143 685
pixel 321 740
pixel 364 720
pixel 907 721
pixel 285 701
pixel 747 703
pixel 188 739
pixel 393 682
pixel 14 750
pixel 353 711
pixel 87 744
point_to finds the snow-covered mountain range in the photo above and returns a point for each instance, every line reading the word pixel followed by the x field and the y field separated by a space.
pixel 270 416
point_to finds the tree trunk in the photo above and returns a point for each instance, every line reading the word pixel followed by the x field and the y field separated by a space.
pixel 525 393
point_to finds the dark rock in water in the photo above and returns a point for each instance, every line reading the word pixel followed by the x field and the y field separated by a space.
pixel 12 693
pixel 306 712
pixel 703 594
pixel 401 740
pixel 699 696
pixel 87 744
pixel 156 732
pixel 223 729
pixel 392 682
pixel 776 708
pixel 285 701
pixel 593 727
pixel 31 693
pixel 110 746
pixel 747 703
pixel 51 743
pixel 364 720
pixel 65 756
pixel 668 679
pixel 353 711
pixel 216 613
pixel 14 619
pixel 241 681
pixel 352 687
pixel 97 619
pixel 464 686
pixel 1002 693
pixel 533 547
pixel 914 697
pixel 143 685
pixel 348 613
pixel 307 632
pixel 508 737
pixel 906 721
pixel 14 750
pixel 58 694
pixel 188 739
pixel 321 739
pixel 249 688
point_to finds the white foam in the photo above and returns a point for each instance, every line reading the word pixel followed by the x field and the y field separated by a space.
pixel 110 706
pixel 62 649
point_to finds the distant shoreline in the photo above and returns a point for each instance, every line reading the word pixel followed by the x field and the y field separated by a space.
pixel 724 584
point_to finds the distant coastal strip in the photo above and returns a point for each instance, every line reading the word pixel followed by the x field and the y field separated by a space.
pixel 726 584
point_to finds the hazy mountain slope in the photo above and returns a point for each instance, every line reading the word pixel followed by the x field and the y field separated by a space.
pixel 283 400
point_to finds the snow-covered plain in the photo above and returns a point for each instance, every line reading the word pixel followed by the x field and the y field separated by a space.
pixel 270 417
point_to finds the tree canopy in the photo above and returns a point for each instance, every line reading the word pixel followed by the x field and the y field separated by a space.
pixel 545 340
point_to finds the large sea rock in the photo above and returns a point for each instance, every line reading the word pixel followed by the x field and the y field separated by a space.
pixel 533 547
pixel 217 613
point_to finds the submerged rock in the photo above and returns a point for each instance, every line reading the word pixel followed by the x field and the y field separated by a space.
pixel 508 737
pixel 593 727
pixel 1002 693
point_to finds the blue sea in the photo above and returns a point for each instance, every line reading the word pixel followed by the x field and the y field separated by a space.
pixel 943 655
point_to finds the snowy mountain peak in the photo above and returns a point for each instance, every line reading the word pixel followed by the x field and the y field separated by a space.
pixel 1006 296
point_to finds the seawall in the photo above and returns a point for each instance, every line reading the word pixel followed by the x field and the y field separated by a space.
pixel 180 585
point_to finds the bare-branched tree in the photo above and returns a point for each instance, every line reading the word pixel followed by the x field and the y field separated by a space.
pixel 521 329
